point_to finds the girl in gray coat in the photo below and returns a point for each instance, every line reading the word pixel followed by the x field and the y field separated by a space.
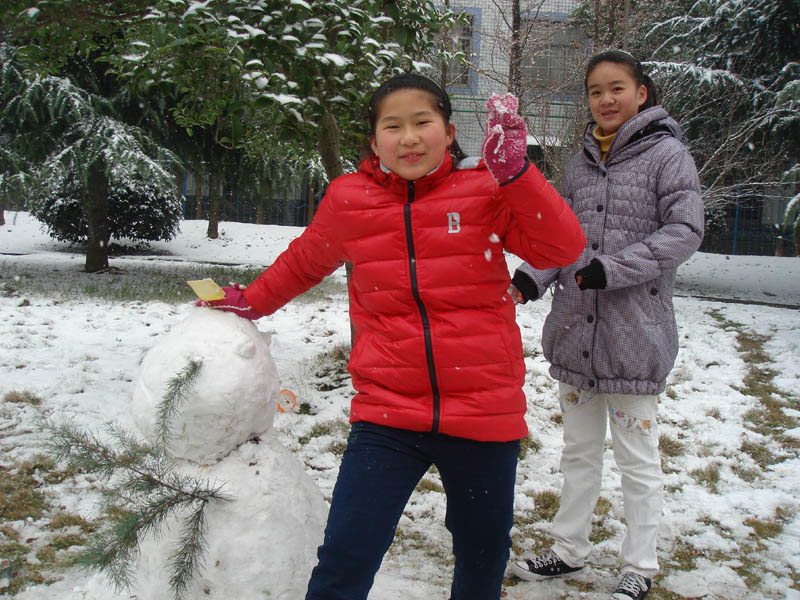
pixel 611 336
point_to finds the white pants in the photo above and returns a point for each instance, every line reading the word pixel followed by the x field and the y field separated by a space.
pixel 635 442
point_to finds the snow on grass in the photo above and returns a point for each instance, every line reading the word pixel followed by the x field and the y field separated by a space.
pixel 72 344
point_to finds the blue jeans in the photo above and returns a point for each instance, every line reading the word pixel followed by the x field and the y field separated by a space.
pixel 379 471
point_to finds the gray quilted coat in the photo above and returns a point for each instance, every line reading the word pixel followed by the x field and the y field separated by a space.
pixel 642 216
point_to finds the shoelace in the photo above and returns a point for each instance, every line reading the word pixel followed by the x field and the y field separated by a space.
pixel 547 560
pixel 631 582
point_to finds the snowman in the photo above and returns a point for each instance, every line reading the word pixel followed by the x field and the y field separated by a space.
pixel 262 544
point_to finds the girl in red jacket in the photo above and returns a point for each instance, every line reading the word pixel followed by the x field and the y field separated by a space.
pixel 437 356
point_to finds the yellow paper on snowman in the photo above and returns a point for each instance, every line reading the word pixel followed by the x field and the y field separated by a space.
pixel 206 289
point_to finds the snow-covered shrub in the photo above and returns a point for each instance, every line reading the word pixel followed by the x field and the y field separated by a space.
pixel 137 210
pixel 715 219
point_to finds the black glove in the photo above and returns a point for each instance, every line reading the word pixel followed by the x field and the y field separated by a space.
pixel 592 276
pixel 525 285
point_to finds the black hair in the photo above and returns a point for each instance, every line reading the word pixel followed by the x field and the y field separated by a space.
pixel 413 81
pixel 634 67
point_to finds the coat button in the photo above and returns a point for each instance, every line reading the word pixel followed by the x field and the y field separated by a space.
pixel 654 291
pixel 595 246
pixel 585 354
pixel 599 208
pixel 590 318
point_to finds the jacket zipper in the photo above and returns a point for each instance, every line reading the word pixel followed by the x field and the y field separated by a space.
pixel 426 328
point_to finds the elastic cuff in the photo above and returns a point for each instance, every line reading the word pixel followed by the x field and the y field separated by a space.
pixel 250 302
pixel 525 285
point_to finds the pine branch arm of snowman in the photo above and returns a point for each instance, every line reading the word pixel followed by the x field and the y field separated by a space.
pixel 142 491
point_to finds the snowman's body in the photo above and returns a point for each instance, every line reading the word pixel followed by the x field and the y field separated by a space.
pixel 262 544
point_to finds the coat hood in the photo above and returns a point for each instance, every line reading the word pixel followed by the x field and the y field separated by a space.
pixel 637 134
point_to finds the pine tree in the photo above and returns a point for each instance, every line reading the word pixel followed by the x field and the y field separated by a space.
pixel 731 77
pixel 77 151
pixel 791 216
pixel 298 72
pixel 15 159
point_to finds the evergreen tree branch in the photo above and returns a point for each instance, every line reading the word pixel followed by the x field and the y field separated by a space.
pixel 177 391
pixel 188 557
pixel 142 491
pixel 107 554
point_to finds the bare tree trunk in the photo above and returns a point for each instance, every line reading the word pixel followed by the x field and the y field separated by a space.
pixel 515 53
pixel 95 207
pixel 627 42
pixel 213 200
pixel 2 216
pixel 328 147
pixel 596 36
pixel 443 75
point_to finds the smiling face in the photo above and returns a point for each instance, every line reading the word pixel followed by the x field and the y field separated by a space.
pixel 411 135
pixel 614 96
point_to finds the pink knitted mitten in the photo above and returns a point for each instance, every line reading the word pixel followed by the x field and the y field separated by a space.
pixel 505 147
pixel 234 301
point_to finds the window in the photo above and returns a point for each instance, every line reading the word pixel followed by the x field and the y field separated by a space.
pixel 552 57
pixel 462 39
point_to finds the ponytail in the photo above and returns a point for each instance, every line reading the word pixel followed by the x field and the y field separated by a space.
pixel 652 95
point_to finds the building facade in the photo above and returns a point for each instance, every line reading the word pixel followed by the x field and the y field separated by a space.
pixel 549 84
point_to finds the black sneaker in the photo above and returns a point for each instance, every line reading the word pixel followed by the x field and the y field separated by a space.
pixel 631 586
pixel 541 567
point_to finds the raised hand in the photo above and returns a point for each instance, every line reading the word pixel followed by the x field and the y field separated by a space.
pixel 505 147
pixel 234 301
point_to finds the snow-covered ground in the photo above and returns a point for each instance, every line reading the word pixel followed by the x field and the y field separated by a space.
pixel 82 357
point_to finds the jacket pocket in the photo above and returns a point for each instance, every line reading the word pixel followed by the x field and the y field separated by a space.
pixel 637 305
pixel 659 309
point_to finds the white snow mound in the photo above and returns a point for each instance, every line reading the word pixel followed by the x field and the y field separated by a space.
pixel 232 398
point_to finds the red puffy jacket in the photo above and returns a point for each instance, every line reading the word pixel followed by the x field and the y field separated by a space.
pixel 436 344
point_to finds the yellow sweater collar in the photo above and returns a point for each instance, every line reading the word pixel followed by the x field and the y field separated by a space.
pixel 604 140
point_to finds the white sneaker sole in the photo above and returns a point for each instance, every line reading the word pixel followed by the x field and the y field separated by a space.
pixel 519 568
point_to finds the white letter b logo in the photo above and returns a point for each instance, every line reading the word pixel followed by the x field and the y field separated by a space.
pixel 453 222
